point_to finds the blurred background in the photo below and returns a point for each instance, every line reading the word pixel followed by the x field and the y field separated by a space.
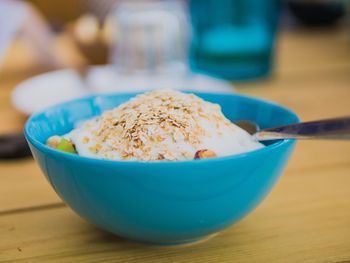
pixel 292 52
pixel 52 51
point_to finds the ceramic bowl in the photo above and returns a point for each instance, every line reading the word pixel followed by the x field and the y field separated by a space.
pixel 161 202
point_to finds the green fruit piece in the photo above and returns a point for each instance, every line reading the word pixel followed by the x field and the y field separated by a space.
pixel 66 146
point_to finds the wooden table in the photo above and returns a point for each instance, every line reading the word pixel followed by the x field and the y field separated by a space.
pixel 306 218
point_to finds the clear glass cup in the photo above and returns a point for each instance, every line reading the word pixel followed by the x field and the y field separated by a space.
pixel 152 37
pixel 234 39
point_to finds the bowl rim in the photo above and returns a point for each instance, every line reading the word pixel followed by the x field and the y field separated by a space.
pixel 42 147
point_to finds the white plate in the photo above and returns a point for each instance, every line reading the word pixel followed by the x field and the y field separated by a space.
pixel 42 91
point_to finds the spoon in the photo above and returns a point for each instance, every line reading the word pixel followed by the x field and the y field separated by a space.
pixel 329 129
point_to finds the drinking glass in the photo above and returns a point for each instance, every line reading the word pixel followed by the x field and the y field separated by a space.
pixel 234 39
pixel 152 37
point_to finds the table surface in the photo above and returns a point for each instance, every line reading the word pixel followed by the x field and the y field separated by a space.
pixel 306 218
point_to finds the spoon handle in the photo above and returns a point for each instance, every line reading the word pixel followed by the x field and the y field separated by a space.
pixel 332 129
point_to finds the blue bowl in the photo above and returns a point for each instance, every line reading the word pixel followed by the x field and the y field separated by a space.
pixel 161 202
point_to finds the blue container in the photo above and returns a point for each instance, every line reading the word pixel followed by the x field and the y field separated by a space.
pixel 234 39
pixel 160 202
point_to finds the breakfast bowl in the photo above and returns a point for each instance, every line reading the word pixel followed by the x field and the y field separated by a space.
pixel 161 202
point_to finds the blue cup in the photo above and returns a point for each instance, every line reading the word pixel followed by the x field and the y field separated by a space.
pixel 160 202
pixel 234 39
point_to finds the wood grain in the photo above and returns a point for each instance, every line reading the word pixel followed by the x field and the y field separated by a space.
pixel 306 218
pixel 303 220
pixel 23 185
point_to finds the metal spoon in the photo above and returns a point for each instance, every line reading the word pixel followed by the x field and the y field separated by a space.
pixel 329 129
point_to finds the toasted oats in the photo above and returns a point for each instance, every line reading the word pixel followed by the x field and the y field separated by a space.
pixel 93 149
pixel 98 146
pixel 149 120
pixel 86 140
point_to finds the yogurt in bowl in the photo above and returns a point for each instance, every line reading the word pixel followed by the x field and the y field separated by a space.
pixel 159 125
pixel 161 201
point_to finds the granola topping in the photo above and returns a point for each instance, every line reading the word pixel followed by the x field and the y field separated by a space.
pixel 154 126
